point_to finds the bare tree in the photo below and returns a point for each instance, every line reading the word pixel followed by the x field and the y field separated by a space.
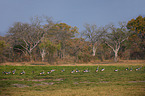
pixel 94 35
pixel 27 35
pixel 115 37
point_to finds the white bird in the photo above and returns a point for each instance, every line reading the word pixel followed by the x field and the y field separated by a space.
pixel 23 72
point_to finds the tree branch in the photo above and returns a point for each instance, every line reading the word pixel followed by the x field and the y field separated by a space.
pixel 110 46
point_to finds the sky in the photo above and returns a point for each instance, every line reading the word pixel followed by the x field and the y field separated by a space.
pixel 72 12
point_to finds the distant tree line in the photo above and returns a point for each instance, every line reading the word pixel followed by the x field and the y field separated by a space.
pixel 47 41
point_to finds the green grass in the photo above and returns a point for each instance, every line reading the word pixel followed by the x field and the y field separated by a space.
pixel 122 83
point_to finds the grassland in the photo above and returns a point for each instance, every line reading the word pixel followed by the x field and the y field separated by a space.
pixel 106 83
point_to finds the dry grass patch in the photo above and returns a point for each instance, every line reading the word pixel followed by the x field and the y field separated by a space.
pixel 110 90
pixel 104 63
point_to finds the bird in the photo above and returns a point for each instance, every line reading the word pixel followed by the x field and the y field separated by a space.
pixel 136 69
pixel 72 71
pixel 102 69
pixel 14 71
pixel 140 67
pixel 77 70
pixel 48 72
pixel 86 70
pixel 52 70
pixel 4 72
pixel 97 69
pixel 7 72
pixel 126 69
pixel 131 69
pixel 23 72
pixel 116 70
pixel 42 72
pixel 62 70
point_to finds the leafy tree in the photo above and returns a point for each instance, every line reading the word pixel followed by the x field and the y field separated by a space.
pixel 116 37
pixel 77 48
pixel 137 39
pixel 3 46
pixel 94 35
pixel 47 47
pixel 61 34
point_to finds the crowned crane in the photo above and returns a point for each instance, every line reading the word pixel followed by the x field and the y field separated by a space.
pixel 140 67
pixel 42 72
pixel 102 69
pixel 116 70
pixel 77 70
pixel 23 72
pixel 97 69
pixel 14 71
pixel 8 72
pixel 131 69
pixel 126 69
pixel 86 70
pixel 4 72
pixel 52 70
pixel 72 71
pixel 48 72
pixel 62 70
pixel 136 69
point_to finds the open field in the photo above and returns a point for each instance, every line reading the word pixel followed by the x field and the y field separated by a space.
pixel 57 83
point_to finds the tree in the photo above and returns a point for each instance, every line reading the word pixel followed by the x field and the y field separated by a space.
pixel 137 26
pixel 2 46
pixel 94 35
pixel 47 47
pixel 43 46
pixel 27 35
pixel 76 47
pixel 3 50
pixel 116 38
pixel 61 33
pixel 137 39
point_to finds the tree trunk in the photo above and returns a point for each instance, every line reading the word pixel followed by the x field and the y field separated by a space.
pixel 31 59
pixel 43 55
pixel 116 55
pixel 30 55
pixel 94 51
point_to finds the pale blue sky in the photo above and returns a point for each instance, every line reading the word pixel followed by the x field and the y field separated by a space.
pixel 71 12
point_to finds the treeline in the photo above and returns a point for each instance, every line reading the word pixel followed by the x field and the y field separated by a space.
pixel 47 41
